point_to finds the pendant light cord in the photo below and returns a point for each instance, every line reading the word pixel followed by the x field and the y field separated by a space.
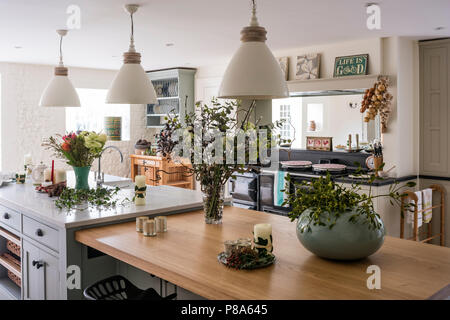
pixel 132 48
pixel 60 51
pixel 254 20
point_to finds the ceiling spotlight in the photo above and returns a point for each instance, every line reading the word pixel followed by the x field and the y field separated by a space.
pixel 169 44
pixel 439 28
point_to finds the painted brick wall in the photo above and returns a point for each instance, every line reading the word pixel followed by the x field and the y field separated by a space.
pixel 24 123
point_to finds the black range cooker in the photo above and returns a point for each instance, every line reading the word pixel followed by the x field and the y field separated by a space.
pixel 256 191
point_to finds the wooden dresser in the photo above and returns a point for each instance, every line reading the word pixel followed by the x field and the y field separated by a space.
pixel 170 173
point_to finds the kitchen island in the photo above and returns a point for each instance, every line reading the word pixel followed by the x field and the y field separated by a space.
pixel 49 253
pixel 187 256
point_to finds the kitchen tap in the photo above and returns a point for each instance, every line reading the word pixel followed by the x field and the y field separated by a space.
pixel 101 176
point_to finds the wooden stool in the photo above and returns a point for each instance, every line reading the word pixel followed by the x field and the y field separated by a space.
pixel 410 195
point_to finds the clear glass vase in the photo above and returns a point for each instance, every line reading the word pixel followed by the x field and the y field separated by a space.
pixel 213 198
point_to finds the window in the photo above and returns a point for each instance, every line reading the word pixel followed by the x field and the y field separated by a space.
pixel 91 115
pixel 289 109
pixel 285 114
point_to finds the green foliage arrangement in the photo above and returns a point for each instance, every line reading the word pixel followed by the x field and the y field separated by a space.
pixel 324 201
pixel 99 197
pixel 209 119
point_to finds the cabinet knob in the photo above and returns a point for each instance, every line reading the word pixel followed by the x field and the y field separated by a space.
pixel 39 233
pixel 6 216
pixel 37 264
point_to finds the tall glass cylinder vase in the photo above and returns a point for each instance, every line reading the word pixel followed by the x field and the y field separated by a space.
pixel 213 198
pixel 81 177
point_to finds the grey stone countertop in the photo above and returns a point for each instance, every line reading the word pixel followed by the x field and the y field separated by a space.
pixel 161 200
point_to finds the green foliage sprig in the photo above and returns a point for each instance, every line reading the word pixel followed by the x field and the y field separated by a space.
pixel 324 201
pixel 98 197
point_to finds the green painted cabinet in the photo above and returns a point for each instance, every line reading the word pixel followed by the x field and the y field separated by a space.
pixel 175 93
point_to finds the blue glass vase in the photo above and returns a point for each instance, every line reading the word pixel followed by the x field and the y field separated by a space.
pixel 81 177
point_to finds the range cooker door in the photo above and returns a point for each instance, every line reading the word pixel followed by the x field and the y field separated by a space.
pixel 244 188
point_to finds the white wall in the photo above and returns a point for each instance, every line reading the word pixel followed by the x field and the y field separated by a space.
pixel 400 62
pixel 24 123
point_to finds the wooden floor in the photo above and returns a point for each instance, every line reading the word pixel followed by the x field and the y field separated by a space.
pixel 187 256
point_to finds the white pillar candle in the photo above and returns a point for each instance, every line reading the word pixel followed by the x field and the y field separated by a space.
pixel 60 176
pixel 27 160
pixel 139 194
pixel 262 236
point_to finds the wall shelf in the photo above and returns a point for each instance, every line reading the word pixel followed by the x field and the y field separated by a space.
pixel 297 87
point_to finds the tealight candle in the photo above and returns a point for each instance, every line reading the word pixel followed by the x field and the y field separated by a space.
pixel 140 190
pixel 161 224
pixel 230 246
pixel 262 236
pixel 149 228
pixel 140 223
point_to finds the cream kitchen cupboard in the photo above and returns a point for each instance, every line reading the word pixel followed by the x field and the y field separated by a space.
pixel 434 108
pixel 40 274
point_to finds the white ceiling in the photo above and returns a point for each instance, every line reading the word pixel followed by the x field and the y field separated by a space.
pixel 204 32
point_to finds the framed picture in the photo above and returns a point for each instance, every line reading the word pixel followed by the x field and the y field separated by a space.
pixel 284 65
pixel 319 143
pixel 351 65
pixel 308 66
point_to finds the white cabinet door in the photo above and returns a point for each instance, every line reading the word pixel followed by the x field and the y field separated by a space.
pixel 32 280
pixel 50 274
pixel 41 274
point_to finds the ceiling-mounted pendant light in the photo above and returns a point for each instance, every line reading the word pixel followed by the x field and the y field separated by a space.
pixel 60 91
pixel 131 85
pixel 253 72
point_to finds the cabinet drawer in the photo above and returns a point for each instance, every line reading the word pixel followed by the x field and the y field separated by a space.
pixel 41 233
pixel 10 218
pixel 143 162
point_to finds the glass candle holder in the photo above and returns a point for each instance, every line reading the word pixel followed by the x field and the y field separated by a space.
pixel 149 229
pixel 161 224
pixel 140 223
pixel 230 246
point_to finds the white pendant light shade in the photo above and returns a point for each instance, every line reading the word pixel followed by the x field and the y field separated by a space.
pixel 253 73
pixel 60 93
pixel 131 86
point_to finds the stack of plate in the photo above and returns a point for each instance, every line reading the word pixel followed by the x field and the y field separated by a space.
pixel 296 164
pixel 329 167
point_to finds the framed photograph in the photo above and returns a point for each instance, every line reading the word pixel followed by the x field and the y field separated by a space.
pixel 308 66
pixel 351 65
pixel 319 143
pixel 284 65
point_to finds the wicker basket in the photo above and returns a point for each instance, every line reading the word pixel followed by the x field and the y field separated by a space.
pixel 14 248
pixel 14 278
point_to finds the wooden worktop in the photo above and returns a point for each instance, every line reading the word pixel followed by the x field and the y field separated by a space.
pixel 187 256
